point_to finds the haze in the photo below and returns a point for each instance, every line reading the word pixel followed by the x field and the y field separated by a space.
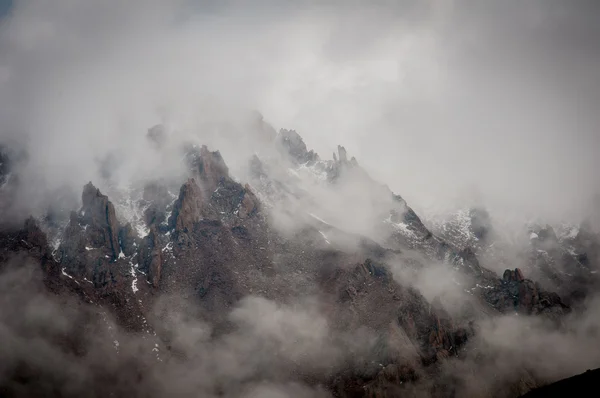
pixel 450 103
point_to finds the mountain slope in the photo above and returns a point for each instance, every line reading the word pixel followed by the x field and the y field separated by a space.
pixel 302 279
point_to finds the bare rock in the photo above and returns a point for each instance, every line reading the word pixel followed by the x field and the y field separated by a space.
pixel 151 258
pixel 291 143
pixel 99 214
pixel 128 240
pixel 187 209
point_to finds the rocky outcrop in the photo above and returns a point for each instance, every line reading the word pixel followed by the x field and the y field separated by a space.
pixel 187 209
pixel 586 245
pixel 583 385
pixel 155 199
pixel 291 143
pixel 218 246
pixel 513 276
pixel 98 214
pixel 91 244
pixel 343 157
pixel 29 240
pixel 566 264
pixel 515 293
pixel 151 259
pixel 207 167
pixel 232 199
pixel 249 203
pixel 341 164
pixel 128 240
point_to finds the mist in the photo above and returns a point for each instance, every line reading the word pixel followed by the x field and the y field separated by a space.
pixel 451 104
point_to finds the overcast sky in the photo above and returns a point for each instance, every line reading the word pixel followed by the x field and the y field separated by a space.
pixel 449 102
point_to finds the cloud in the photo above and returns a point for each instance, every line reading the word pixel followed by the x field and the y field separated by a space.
pixel 448 103
pixel 439 100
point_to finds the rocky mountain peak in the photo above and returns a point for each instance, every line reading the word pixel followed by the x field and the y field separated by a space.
pixel 220 249
pixel 187 209
pixel 208 167
pixel 291 143
pixel 343 157
pixel 515 275
pixel 98 213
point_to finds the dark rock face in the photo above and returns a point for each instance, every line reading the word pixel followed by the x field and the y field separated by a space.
pixel 513 276
pixel 515 293
pixel 156 199
pixel 99 215
pixel 567 265
pixel 219 246
pixel 150 257
pixel 583 385
pixel 128 241
pixel 187 209
pixel 208 167
pixel 93 243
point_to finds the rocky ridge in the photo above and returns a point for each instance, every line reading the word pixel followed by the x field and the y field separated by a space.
pixel 214 244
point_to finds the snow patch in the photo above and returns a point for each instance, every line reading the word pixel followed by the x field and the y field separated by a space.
pixel 573 232
pixel 318 218
pixel 134 287
pixel 324 237
pixel 67 275
pixel 402 227
pixel 141 229
pixel 318 170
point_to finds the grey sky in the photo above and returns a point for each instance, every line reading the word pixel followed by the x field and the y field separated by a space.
pixel 449 102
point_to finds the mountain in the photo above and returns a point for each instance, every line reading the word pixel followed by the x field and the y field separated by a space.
pixel 582 385
pixel 304 278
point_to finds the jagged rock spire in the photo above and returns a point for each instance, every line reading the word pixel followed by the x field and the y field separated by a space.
pixel 188 207
pixel 342 154
pixel 99 212
pixel 292 144
pixel 208 167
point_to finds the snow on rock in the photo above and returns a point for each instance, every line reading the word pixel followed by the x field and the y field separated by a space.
pixel 324 237
pixel 317 170
pixel 318 218
pixel 134 287
pixel 401 227
pixel 67 275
